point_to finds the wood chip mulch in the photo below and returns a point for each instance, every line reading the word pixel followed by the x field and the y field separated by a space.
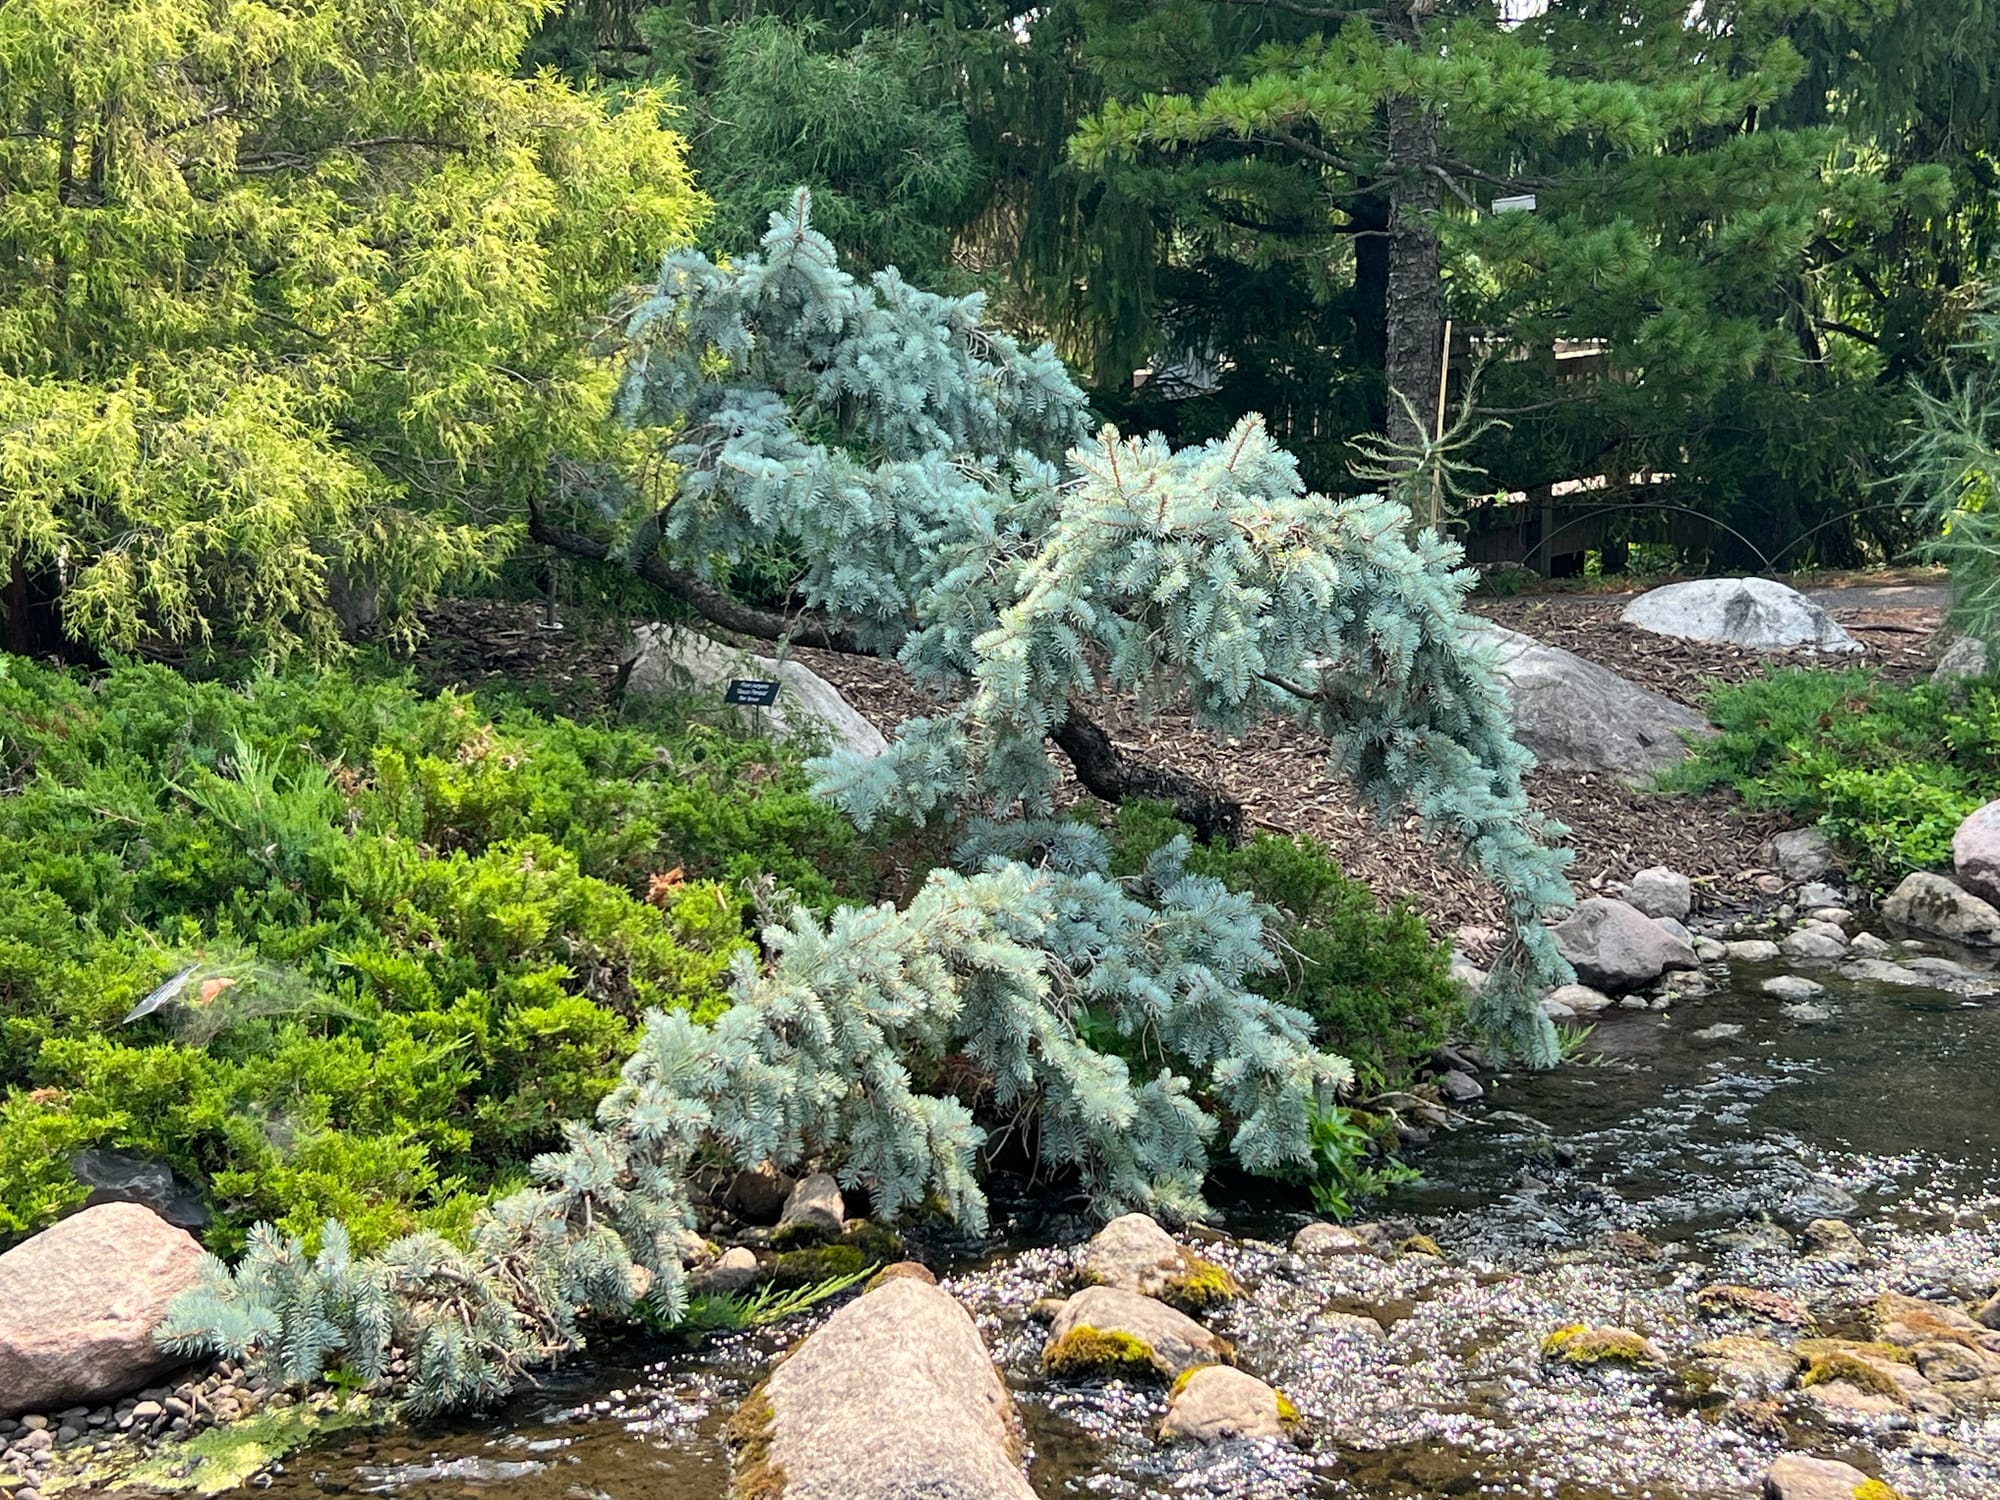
pixel 1278 771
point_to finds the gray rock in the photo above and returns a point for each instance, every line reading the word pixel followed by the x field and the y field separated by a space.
pixel 1709 951
pixel 815 1209
pixel 1813 943
pixel 80 1300
pixel 1755 612
pixel 1975 852
pixel 1580 999
pixel 1800 855
pixel 1754 951
pixel 1988 1315
pixel 1963 658
pixel 1555 1010
pixel 1805 1012
pixel 1795 1476
pixel 125 1177
pixel 1615 947
pixel 1676 929
pixel 1352 1326
pixel 1460 1087
pixel 735 1270
pixel 1577 716
pixel 1721 1031
pixel 1470 977
pixel 1218 1403
pixel 893 1398
pixel 1744 1367
pixel 1881 971
pixel 1661 892
pixel 664 659
pixel 1931 903
pixel 1174 1341
pixel 1820 1200
pixel 1330 1239
pixel 1819 893
pixel 1792 987
pixel 1832 916
pixel 1830 1239
pixel 1867 945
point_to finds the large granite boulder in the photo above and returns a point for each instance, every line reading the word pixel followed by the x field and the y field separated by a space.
pixel 1975 852
pixel 1753 612
pixel 1661 892
pixel 1931 903
pixel 893 1398
pixel 1577 716
pixel 1615 947
pixel 1799 855
pixel 1799 1476
pixel 79 1302
pixel 665 659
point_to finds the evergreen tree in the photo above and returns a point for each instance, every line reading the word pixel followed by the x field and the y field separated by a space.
pixel 294 297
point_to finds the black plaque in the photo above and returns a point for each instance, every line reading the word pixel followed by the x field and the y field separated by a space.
pixel 752 692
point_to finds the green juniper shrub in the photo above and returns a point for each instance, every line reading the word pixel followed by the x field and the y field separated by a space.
pixel 1378 988
pixel 415 938
pixel 1889 771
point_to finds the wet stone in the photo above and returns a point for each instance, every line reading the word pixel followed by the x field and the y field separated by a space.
pixel 1754 951
pixel 1798 1476
pixel 1792 987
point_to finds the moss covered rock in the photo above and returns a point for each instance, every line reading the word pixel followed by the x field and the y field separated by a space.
pixel 1585 1346
pixel 1120 1325
pixel 1134 1254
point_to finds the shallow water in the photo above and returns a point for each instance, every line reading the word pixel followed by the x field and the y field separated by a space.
pixel 1660 1132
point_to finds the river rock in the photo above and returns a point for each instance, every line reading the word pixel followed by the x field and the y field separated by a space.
pixel 666 659
pixel 813 1210
pixel 1820 1200
pixel 1330 1239
pixel 735 1270
pixel 80 1300
pixel 1756 612
pixel 1800 855
pixel 1460 1087
pixel 1577 716
pixel 1881 971
pixel 1755 951
pixel 1217 1403
pixel 1613 946
pixel 893 1398
pixel 1792 987
pixel 1932 903
pixel 1963 658
pixel 1741 1366
pixel 1580 999
pixel 1831 1239
pixel 1661 892
pixel 1988 1315
pixel 1795 1476
pixel 1868 945
pixel 1975 852
pixel 1813 943
pixel 1141 1329
pixel 1134 1254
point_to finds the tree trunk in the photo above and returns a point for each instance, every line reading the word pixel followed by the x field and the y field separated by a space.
pixel 1370 217
pixel 1416 278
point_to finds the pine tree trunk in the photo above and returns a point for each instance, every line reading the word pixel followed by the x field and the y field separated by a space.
pixel 1416 278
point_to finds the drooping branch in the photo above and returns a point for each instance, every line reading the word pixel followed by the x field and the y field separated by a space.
pixel 1103 769
pixel 703 597
pixel 1107 772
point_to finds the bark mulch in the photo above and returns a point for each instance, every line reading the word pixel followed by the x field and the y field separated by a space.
pixel 1279 772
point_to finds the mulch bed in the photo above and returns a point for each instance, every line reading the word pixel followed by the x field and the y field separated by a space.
pixel 1278 771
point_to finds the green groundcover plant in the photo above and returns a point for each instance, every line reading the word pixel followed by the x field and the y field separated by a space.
pixel 405 939
pixel 1889 771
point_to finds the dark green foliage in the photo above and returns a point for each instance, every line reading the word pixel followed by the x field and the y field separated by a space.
pixel 1378 988
pixel 1888 771
pixel 417 936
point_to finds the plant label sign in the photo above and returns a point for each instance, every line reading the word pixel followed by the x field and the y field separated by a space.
pixel 753 692
pixel 1520 204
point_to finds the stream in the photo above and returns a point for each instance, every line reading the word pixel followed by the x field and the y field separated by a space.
pixel 1685 1146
